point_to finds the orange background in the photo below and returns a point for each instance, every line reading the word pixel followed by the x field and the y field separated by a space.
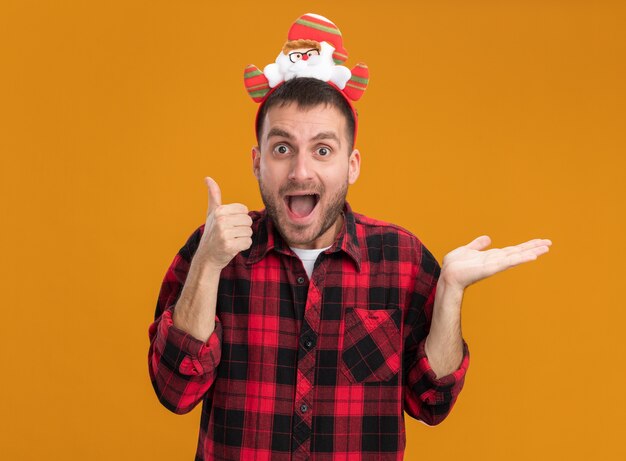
pixel 497 117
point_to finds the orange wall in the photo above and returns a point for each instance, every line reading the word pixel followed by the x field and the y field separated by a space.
pixel 497 117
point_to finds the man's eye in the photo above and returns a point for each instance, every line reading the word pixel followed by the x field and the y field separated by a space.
pixel 281 149
pixel 323 151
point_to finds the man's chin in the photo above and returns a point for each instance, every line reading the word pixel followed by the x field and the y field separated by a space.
pixel 296 234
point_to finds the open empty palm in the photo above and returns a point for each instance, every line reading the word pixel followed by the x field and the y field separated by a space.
pixel 470 263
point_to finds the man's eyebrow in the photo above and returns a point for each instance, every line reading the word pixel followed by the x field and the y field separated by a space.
pixel 279 132
pixel 327 135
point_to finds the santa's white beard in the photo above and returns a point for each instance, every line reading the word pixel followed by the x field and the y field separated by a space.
pixel 321 67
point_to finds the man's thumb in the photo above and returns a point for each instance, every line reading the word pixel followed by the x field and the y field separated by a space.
pixel 215 194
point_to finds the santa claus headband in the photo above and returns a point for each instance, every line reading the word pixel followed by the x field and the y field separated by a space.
pixel 314 48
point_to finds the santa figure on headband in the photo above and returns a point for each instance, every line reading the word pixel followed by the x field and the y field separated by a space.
pixel 314 48
pixel 306 58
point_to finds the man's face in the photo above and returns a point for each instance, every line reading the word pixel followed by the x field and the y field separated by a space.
pixel 304 165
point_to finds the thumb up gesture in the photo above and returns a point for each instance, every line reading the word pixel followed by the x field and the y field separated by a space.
pixel 227 229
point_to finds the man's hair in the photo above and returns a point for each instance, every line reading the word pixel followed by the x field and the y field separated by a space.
pixel 307 93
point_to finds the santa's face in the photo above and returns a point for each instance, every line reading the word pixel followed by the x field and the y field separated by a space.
pixel 302 54
pixel 316 62
pixel 300 62
pixel 304 166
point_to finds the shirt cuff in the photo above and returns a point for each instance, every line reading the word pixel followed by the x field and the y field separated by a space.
pixel 452 381
pixel 187 354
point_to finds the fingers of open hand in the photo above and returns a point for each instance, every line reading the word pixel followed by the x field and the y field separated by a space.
pixel 529 245
pixel 513 256
pixel 479 243
pixel 467 265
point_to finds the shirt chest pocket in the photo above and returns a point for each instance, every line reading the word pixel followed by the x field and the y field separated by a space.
pixel 372 346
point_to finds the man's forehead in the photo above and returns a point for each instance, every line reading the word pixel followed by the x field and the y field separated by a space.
pixel 322 118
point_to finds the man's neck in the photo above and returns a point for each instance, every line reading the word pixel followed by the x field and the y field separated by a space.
pixel 325 240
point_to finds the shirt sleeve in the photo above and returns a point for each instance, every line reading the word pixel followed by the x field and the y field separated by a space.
pixel 426 397
pixel 182 368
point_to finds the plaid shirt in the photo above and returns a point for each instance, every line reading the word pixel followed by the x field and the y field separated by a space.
pixel 300 368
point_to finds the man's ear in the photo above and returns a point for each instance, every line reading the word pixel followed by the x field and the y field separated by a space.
pixel 256 161
pixel 354 166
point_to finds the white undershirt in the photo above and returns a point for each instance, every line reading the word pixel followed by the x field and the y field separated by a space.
pixel 308 257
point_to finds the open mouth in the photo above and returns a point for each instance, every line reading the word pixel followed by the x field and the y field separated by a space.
pixel 302 205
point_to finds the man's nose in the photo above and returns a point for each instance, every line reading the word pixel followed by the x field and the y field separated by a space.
pixel 301 168
pixel 305 57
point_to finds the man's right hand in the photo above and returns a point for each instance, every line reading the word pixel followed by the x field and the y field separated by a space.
pixel 227 231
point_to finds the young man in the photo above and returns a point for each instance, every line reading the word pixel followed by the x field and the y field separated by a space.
pixel 307 330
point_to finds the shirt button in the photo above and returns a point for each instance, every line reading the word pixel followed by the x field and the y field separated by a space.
pixel 300 280
pixel 304 408
pixel 308 344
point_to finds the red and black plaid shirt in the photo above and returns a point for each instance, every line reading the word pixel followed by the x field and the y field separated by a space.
pixel 300 368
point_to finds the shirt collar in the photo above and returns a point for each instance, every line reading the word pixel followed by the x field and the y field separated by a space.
pixel 267 237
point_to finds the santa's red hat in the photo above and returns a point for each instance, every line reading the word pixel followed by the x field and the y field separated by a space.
pixel 315 27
